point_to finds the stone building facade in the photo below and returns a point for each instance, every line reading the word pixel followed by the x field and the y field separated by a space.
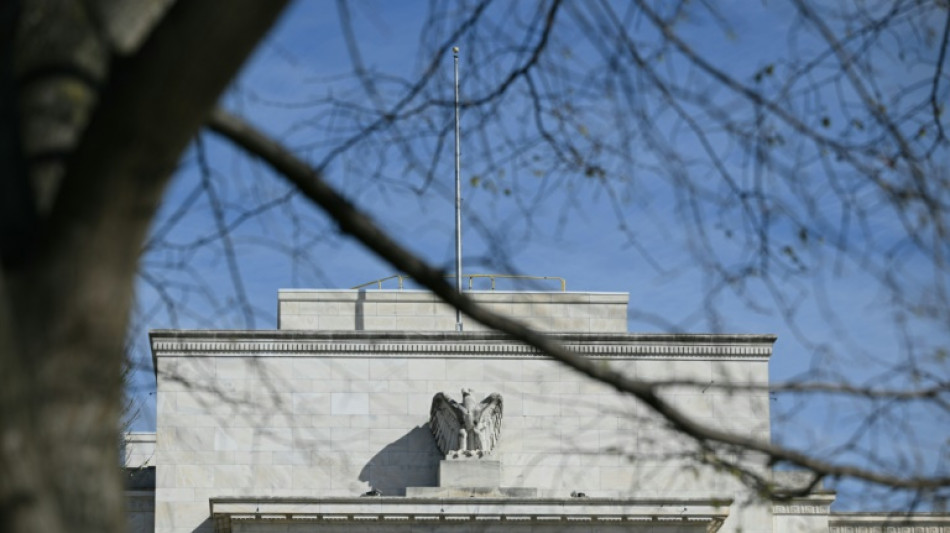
pixel 324 425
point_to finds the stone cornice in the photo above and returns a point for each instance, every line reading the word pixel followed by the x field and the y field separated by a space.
pixel 800 509
pixel 489 345
pixel 582 513
pixel 889 523
pixel 819 503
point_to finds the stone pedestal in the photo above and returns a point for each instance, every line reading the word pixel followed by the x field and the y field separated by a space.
pixel 469 473
pixel 468 478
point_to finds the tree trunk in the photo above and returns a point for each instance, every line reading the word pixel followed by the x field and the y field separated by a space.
pixel 97 137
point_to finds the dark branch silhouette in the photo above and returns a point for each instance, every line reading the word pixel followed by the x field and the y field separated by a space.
pixel 360 226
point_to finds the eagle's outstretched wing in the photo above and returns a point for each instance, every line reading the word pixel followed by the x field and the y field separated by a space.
pixel 445 422
pixel 489 423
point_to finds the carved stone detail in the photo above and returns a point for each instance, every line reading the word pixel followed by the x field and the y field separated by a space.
pixel 605 346
pixel 466 429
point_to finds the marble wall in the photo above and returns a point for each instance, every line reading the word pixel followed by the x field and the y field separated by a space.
pixel 323 414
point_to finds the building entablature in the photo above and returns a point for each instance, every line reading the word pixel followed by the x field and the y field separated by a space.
pixel 447 344
pixel 574 514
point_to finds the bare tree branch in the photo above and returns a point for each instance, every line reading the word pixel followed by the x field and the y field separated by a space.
pixel 227 244
pixel 357 224
pixel 934 104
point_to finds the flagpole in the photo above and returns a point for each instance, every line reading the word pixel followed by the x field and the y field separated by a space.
pixel 458 195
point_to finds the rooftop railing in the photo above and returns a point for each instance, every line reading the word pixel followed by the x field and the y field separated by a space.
pixel 402 278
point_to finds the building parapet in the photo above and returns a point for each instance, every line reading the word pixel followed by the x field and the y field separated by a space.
pixel 405 310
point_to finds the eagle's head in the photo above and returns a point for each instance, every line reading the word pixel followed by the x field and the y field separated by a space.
pixel 466 392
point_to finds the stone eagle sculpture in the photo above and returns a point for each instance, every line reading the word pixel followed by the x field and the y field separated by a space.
pixel 466 429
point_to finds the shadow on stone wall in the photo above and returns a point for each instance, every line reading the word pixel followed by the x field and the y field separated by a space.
pixel 410 461
pixel 360 311
pixel 205 527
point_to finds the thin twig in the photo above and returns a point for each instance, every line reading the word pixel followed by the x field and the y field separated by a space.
pixel 351 220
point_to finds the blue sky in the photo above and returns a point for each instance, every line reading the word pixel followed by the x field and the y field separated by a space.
pixel 573 233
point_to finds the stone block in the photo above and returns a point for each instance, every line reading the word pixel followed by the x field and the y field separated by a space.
pixel 323 421
pixel 541 405
pixel 272 476
pixel 349 403
pixel 390 439
pixel 388 404
pixel 349 369
pixel 609 297
pixel 533 297
pixel 563 324
pixel 171 514
pixel 416 308
pixel 379 323
pixel 338 322
pixel 386 308
pixel 185 439
pixel 381 296
pixel 233 476
pixel 412 296
pixel 273 439
pixel 504 373
pixel 415 323
pixel 469 369
pixel 697 405
pixel 420 403
pixel 311 477
pixel 175 495
pixel 316 403
pixel 447 323
pixel 560 480
pixel 350 439
pixel 469 473
pixel 296 457
pixel 446 310
pixel 548 310
pixel 388 369
pixel 233 438
pixel 572 298
pixel 231 367
pixel 427 369
pixel 364 309
pixel 370 386
pixel 401 386
pixel 273 371
pixel 608 325
pixel 312 368
pixel 298 322
pixel 520 310
pixel 194 476
pixel 741 372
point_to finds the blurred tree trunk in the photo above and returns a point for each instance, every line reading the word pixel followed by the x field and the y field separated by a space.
pixel 97 101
